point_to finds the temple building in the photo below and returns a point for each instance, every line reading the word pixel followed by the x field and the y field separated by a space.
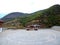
pixel 1 23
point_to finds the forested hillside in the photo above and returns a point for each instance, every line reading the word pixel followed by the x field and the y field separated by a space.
pixel 49 17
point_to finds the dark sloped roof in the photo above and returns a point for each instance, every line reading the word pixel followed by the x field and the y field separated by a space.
pixel 1 21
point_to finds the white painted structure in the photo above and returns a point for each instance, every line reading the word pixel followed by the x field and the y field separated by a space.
pixel 1 29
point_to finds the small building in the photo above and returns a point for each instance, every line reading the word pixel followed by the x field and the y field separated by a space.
pixel 1 25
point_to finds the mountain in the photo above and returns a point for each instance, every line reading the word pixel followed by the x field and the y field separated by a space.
pixel 13 15
pixel 55 10
pixel 50 16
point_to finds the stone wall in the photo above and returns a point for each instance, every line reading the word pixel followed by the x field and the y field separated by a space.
pixel 56 28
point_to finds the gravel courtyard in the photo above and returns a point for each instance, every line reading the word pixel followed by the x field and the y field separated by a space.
pixel 23 37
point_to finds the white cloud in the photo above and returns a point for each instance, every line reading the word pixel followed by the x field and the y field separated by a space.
pixel 26 6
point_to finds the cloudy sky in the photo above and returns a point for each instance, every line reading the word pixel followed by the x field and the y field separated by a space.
pixel 25 6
